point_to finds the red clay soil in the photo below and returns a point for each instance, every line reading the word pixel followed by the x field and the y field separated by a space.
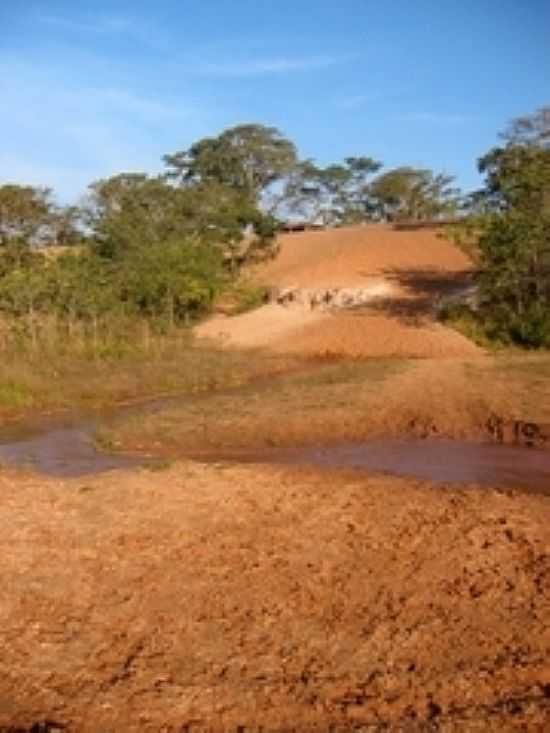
pixel 219 598
pixel 418 268
pixel 351 255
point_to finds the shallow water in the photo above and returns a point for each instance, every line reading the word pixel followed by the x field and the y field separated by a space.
pixel 66 448
pixel 59 450
pixel 442 461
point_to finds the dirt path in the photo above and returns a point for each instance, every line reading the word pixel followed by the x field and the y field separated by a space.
pixel 224 598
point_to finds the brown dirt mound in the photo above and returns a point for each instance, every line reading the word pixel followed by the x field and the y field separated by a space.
pixel 419 268
pixel 349 256
pixel 261 327
pixel 378 335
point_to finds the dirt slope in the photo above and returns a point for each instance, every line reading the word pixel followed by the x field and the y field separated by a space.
pixel 351 255
pixel 418 268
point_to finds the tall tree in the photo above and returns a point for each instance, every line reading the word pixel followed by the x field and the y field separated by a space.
pixel 336 194
pixel 247 158
pixel 27 218
pixel 532 130
pixel 26 215
pixel 413 193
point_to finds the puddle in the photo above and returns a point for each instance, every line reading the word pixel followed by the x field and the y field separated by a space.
pixel 60 450
pixel 66 448
pixel 442 461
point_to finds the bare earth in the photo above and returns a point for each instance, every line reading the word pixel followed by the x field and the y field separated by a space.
pixel 244 598
pixel 417 268
pixel 220 597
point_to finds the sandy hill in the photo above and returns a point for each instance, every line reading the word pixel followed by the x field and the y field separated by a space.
pixel 413 269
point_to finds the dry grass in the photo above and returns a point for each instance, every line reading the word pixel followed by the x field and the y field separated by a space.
pixel 287 410
pixel 53 377
pixel 351 400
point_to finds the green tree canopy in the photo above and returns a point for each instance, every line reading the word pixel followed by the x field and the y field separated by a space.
pixel 26 215
pixel 336 194
pixel 513 247
pixel 131 211
pixel 413 193
pixel 246 158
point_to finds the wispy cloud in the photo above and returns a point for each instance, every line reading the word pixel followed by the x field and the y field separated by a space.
pixel 267 66
pixel 357 101
pixel 353 101
pixel 66 135
pixel 105 25
pixel 222 63
pixel 437 118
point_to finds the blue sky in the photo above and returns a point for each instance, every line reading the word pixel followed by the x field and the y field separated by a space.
pixel 92 89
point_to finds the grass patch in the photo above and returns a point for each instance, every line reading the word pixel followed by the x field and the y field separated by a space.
pixel 14 395
pixel 469 324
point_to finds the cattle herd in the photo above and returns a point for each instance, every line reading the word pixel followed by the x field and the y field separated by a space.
pixel 328 298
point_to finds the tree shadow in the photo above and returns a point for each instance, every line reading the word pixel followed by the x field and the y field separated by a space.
pixel 423 293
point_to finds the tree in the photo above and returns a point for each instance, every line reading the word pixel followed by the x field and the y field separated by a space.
pixel 413 193
pixel 531 130
pixel 334 195
pixel 177 281
pixel 26 216
pixel 131 211
pixel 513 247
pixel 247 158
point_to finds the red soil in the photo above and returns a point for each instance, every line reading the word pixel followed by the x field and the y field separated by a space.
pixel 420 267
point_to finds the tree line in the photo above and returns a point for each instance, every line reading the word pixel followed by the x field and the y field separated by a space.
pixel 163 247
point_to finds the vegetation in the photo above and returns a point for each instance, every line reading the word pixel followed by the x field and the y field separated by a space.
pixel 144 255
pixel 130 362
pixel 413 194
pixel 508 235
pixel 335 195
pixel 164 248
pixel 247 158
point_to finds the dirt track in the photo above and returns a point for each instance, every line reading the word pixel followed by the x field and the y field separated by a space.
pixel 226 598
